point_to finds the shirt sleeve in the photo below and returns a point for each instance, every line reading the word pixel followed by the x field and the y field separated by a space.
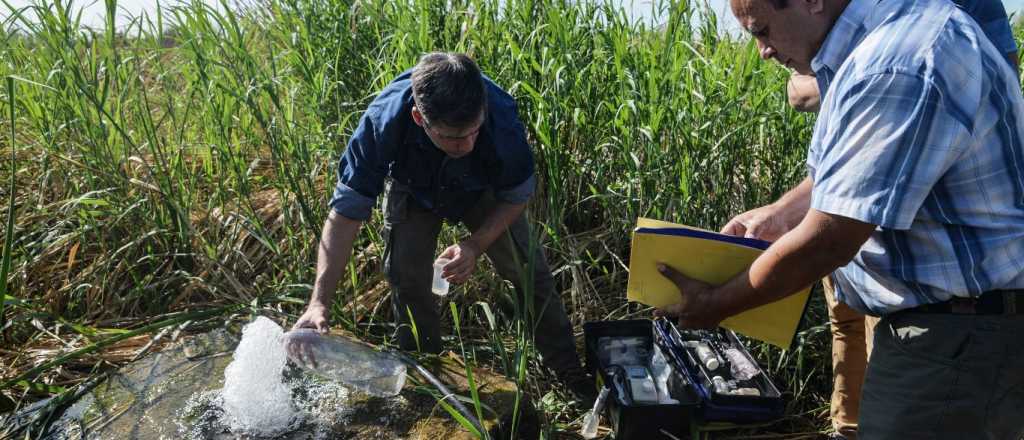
pixel 991 17
pixel 1001 34
pixel 888 140
pixel 515 181
pixel 364 166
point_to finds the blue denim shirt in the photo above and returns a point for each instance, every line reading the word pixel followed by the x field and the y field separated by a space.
pixel 388 144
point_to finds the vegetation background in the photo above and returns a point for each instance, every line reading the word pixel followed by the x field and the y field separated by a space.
pixel 172 175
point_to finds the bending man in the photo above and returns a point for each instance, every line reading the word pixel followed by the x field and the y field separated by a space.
pixel 448 145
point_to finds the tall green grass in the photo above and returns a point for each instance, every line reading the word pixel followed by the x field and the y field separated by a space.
pixel 183 161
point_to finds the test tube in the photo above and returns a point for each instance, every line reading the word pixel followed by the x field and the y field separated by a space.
pixel 440 285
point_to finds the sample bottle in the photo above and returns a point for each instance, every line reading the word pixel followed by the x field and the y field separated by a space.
pixel 662 372
pixel 440 285
pixel 721 386
pixel 344 360
pixel 707 356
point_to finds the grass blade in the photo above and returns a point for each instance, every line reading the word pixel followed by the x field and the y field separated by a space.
pixel 5 264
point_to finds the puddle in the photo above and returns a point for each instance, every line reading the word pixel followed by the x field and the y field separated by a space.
pixel 181 393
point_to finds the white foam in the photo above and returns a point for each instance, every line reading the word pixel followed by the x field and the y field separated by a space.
pixel 255 399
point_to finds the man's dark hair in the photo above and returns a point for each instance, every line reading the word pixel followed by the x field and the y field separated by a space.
pixel 779 4
pixel 449 89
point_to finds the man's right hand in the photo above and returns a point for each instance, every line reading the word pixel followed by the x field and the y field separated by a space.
pixel 803 94
pixel 300 350
pixel 765 223
pixel 315 318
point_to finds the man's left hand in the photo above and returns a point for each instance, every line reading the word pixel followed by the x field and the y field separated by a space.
pixel 463 258
pixel 696 307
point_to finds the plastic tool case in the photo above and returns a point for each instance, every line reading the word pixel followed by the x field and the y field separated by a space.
pixel 663 380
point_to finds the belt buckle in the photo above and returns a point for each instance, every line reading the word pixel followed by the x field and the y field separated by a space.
pixel 963 306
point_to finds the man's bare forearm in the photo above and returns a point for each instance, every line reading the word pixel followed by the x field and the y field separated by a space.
pixel 495 224
pixel 793 205
pixel 332 256
pixel 817 246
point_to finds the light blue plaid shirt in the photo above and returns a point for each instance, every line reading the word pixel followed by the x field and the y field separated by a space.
pixel 920 132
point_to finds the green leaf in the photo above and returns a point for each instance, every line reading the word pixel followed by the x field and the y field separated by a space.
pixel 41 387
pixel 460 418
pixel 5 260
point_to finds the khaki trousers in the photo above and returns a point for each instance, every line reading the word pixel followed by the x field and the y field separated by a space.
pixel 852 333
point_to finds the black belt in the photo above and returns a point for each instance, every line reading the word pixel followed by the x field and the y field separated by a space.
pixel 996 302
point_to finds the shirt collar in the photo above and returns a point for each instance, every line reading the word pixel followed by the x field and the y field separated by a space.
pixel 844 36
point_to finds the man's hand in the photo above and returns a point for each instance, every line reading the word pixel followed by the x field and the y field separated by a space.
pixel 696 308
pixel 300 349
pixel 764 223
pixel 315 318
pixel 463 258
pixel 803 94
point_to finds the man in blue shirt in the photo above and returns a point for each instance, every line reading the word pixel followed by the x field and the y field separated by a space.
pixel 443 143
pixel 914 202
pixel 851 330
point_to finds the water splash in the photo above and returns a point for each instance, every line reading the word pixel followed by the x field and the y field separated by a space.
pixel 323 406
pixel 255 399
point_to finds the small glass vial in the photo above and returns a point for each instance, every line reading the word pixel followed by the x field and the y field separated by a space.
pixel 440 285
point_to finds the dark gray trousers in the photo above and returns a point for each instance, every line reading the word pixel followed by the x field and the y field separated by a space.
pixel 411 246
pixel 945 376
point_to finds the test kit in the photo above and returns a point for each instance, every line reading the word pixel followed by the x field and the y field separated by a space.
pixel 661 380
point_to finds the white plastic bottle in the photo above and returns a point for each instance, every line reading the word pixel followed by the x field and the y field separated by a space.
pixel 592 419
pixel 344 360
pixel 661 372
pixel 440 285
pixel 707 356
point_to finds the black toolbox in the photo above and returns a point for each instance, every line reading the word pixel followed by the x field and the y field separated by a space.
pixel 698 377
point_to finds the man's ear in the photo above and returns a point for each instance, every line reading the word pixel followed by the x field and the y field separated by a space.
pixel 815 6
pixel 417 117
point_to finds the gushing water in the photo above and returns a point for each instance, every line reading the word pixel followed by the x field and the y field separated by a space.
pixel 255 399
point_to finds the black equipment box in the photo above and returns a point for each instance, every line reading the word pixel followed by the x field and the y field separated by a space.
pixel 663 380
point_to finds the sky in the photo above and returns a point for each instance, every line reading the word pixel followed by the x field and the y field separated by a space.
pixel 94 9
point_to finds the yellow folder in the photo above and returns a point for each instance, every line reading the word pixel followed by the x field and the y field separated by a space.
pixel 713 258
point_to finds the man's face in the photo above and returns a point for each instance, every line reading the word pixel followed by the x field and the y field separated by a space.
pixel 456 142
pixel 791 35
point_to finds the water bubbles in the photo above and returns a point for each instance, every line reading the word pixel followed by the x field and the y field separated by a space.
pixel 263 397
pixel 255 398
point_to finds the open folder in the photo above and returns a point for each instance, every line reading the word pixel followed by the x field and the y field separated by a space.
pixel 713 258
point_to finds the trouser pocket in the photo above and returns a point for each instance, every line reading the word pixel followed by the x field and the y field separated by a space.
pixel 396 204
